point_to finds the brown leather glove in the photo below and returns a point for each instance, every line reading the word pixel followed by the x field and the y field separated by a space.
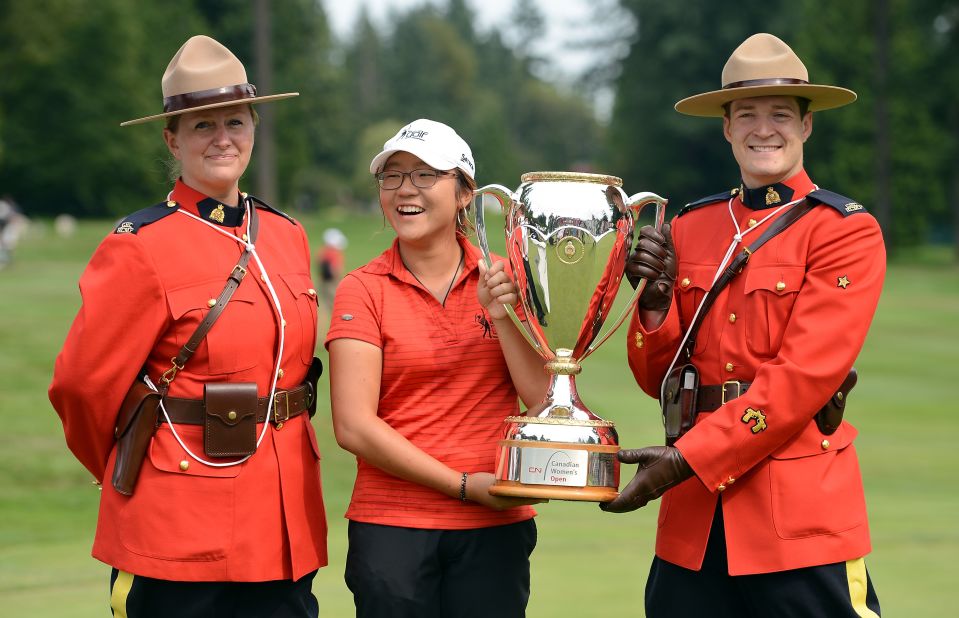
pixel 660 467
pixel 654 258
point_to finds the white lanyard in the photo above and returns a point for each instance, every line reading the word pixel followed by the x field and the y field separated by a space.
pixel 249 246
pixel 737 239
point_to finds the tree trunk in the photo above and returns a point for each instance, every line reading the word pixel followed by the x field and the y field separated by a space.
pixel 883 150
pixel 266 151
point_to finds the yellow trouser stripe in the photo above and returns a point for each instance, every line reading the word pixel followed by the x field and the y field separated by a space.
pixel 856 577
pixel 118 596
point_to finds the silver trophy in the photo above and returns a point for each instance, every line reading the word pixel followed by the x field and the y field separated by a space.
pixel 567 239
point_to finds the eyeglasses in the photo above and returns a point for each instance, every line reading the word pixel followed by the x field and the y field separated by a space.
pixel 424 179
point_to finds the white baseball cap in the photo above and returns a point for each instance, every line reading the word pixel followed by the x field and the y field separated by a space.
pixel 434 142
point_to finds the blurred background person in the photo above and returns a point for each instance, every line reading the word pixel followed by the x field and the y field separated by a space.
pixel 12 226
pixel 227 517
pixel 330 261
pixel 419 392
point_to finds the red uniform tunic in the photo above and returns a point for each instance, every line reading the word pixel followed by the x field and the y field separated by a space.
pixel 445 387
pixel 144 292
pixel 792 323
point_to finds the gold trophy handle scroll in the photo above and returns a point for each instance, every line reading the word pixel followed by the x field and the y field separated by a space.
pixel 505 198
pixel 636 203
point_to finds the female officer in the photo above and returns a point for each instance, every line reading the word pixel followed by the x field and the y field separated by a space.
pixel 420 388
pixel 210 529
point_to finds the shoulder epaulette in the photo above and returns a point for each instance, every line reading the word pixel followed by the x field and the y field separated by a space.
pixel 843 204
pixel 266 206
pixel 709 199
pixel 131 224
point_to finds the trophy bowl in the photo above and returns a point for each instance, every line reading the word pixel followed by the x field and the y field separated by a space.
pixel 568 236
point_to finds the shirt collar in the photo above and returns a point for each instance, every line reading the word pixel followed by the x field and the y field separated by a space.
pixel 206 208
pixel 777 194
pixel 390 263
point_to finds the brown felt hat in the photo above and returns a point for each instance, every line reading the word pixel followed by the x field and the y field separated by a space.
pixel 763 65
pixel 202 75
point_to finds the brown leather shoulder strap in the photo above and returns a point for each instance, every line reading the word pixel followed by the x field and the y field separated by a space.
pixel 232 283
pixel 737 264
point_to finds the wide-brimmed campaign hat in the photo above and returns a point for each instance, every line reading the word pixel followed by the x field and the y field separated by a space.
pixel 202 75
pixel 763 65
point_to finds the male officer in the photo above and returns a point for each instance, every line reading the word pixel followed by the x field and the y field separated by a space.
pixel 763 512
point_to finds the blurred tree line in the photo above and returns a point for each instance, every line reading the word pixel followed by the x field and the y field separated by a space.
pixel 72 70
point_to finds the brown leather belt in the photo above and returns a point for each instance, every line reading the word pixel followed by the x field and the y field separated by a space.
pixel 287 404
pixel 709 398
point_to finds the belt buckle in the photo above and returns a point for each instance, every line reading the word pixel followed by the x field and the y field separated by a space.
pixel 738 390
pixel 286 406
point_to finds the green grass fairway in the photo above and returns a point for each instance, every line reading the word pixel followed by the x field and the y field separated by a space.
pixel 587 563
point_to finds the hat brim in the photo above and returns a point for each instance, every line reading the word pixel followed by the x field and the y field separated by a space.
pixel 429 158
pixel 252 101
pixel 710 104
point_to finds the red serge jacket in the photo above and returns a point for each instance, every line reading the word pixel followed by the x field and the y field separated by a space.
pixel 792 324
pixel 144 292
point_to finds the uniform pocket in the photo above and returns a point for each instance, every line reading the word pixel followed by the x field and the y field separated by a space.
pixel 694 280
pixel 304 296
pixel 226 348
pixel 816 486
pixel 771 292
pixel 177 514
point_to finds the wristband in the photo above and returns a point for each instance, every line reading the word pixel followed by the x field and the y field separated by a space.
pixel 463 487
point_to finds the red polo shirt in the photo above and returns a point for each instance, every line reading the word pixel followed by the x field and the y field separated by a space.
pixel 445 387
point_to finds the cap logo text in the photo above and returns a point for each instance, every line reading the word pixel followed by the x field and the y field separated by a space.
pixel 413 134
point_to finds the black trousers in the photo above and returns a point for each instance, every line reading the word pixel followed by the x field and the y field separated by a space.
pixel 407 572
pixel 838 590
pixel 134 596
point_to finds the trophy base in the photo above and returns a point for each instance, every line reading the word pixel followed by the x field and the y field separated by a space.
pixel 515 489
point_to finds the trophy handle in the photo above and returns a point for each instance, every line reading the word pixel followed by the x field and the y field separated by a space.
pixel 636 203
pixel 506 199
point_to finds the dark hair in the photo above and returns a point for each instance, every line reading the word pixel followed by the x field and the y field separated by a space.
pixel 464 183
pixel 802 102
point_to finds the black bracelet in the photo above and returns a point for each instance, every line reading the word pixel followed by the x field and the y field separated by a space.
pixel 463 487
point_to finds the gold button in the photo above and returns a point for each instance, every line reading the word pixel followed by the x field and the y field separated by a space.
pixel 280 373
pixel 211 303
pixel 729 366
pixel 245 238
pixel 279 426
pixel 751 223
pixel 730 481
pixel 839 395
pixel 732 318
pixel 311 292
pixel 262 277
pixel 231 415
pixel 171 204
pixel 284 323
pixel 825 445
pixel 685 282
pixel 638 338
pixel 721 488
pixel 184 465
pixel 780 286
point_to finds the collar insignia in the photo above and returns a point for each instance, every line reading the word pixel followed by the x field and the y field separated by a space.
pixel 843 282
pixel 217 214
pixel 772 197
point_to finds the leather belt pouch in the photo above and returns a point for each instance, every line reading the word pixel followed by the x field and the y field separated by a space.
pixel 229 428
pixel 679 401
pixel 136 422
pixel 829 417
